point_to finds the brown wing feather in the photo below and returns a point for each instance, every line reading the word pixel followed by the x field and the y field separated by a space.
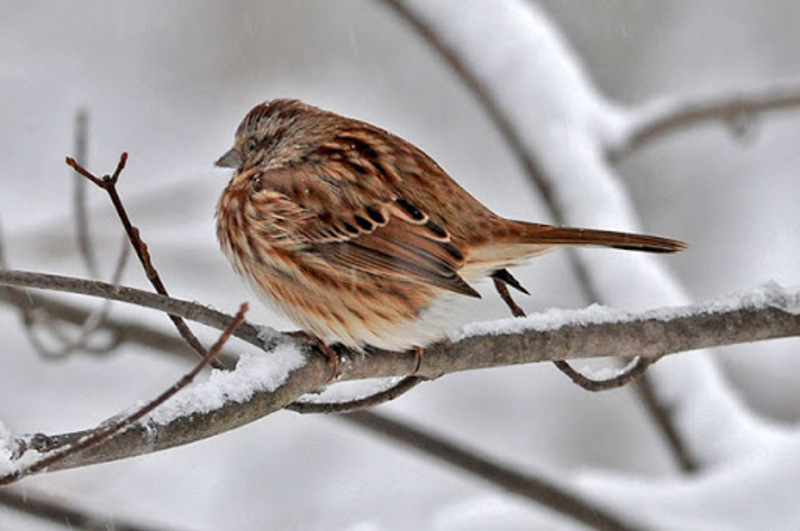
pixel 357 219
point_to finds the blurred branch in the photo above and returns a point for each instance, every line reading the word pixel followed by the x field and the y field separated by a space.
pixel 80 211
pixel 61 513
pixel 661 414
pixel 534 172
pixel 736 110
pixel 546 492
pixel 507 131
pixel 124 330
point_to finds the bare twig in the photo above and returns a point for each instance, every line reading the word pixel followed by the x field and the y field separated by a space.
pixel 400 388
pixel 109 184
pixel 59 512
pixel 736 111
pixel 533 488
pixel 106 432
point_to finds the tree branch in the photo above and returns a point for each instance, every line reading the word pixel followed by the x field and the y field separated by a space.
pixel 670 116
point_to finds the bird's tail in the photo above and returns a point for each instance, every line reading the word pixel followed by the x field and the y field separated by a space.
pixel 513 243
pixel 534 233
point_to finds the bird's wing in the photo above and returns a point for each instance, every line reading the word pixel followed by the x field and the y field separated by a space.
pixel 342 206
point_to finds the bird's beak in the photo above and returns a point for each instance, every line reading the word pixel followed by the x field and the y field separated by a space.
pixel 231 159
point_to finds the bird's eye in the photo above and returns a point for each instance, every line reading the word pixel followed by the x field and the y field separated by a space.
pixel 250 145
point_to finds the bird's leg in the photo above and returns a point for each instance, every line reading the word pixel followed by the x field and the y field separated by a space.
pixel 502 290
pixel 330 355
pixel 418 357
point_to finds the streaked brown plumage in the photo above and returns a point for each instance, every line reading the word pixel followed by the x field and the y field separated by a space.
pixel 359 236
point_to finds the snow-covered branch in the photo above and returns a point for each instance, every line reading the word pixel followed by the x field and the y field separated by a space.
pixel 736 110
pixel 263 384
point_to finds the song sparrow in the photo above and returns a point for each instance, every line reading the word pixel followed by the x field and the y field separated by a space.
pixel 359 236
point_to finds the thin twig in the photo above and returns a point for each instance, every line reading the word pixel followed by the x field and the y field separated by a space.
pixel 109 184
pixel 533 488
pixel 106 432
pixel 95 288
pixel 387 395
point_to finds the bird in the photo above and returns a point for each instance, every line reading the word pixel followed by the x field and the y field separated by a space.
pixel 360 237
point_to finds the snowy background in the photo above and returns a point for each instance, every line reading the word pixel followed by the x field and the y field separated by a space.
pixel 169 82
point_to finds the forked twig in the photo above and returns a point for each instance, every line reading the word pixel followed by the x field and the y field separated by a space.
pixel 109 184
pixel 106 432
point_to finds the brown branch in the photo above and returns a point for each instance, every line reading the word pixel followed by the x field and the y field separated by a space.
pixel 109 184
pixel 400 388
pixel 94 288
pixel 736 111
pixel 528 486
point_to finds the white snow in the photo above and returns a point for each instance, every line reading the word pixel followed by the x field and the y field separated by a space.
pixel 770 294
pixel 550 319
pixel 352 390
pixel 6 464
pixel 254 372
